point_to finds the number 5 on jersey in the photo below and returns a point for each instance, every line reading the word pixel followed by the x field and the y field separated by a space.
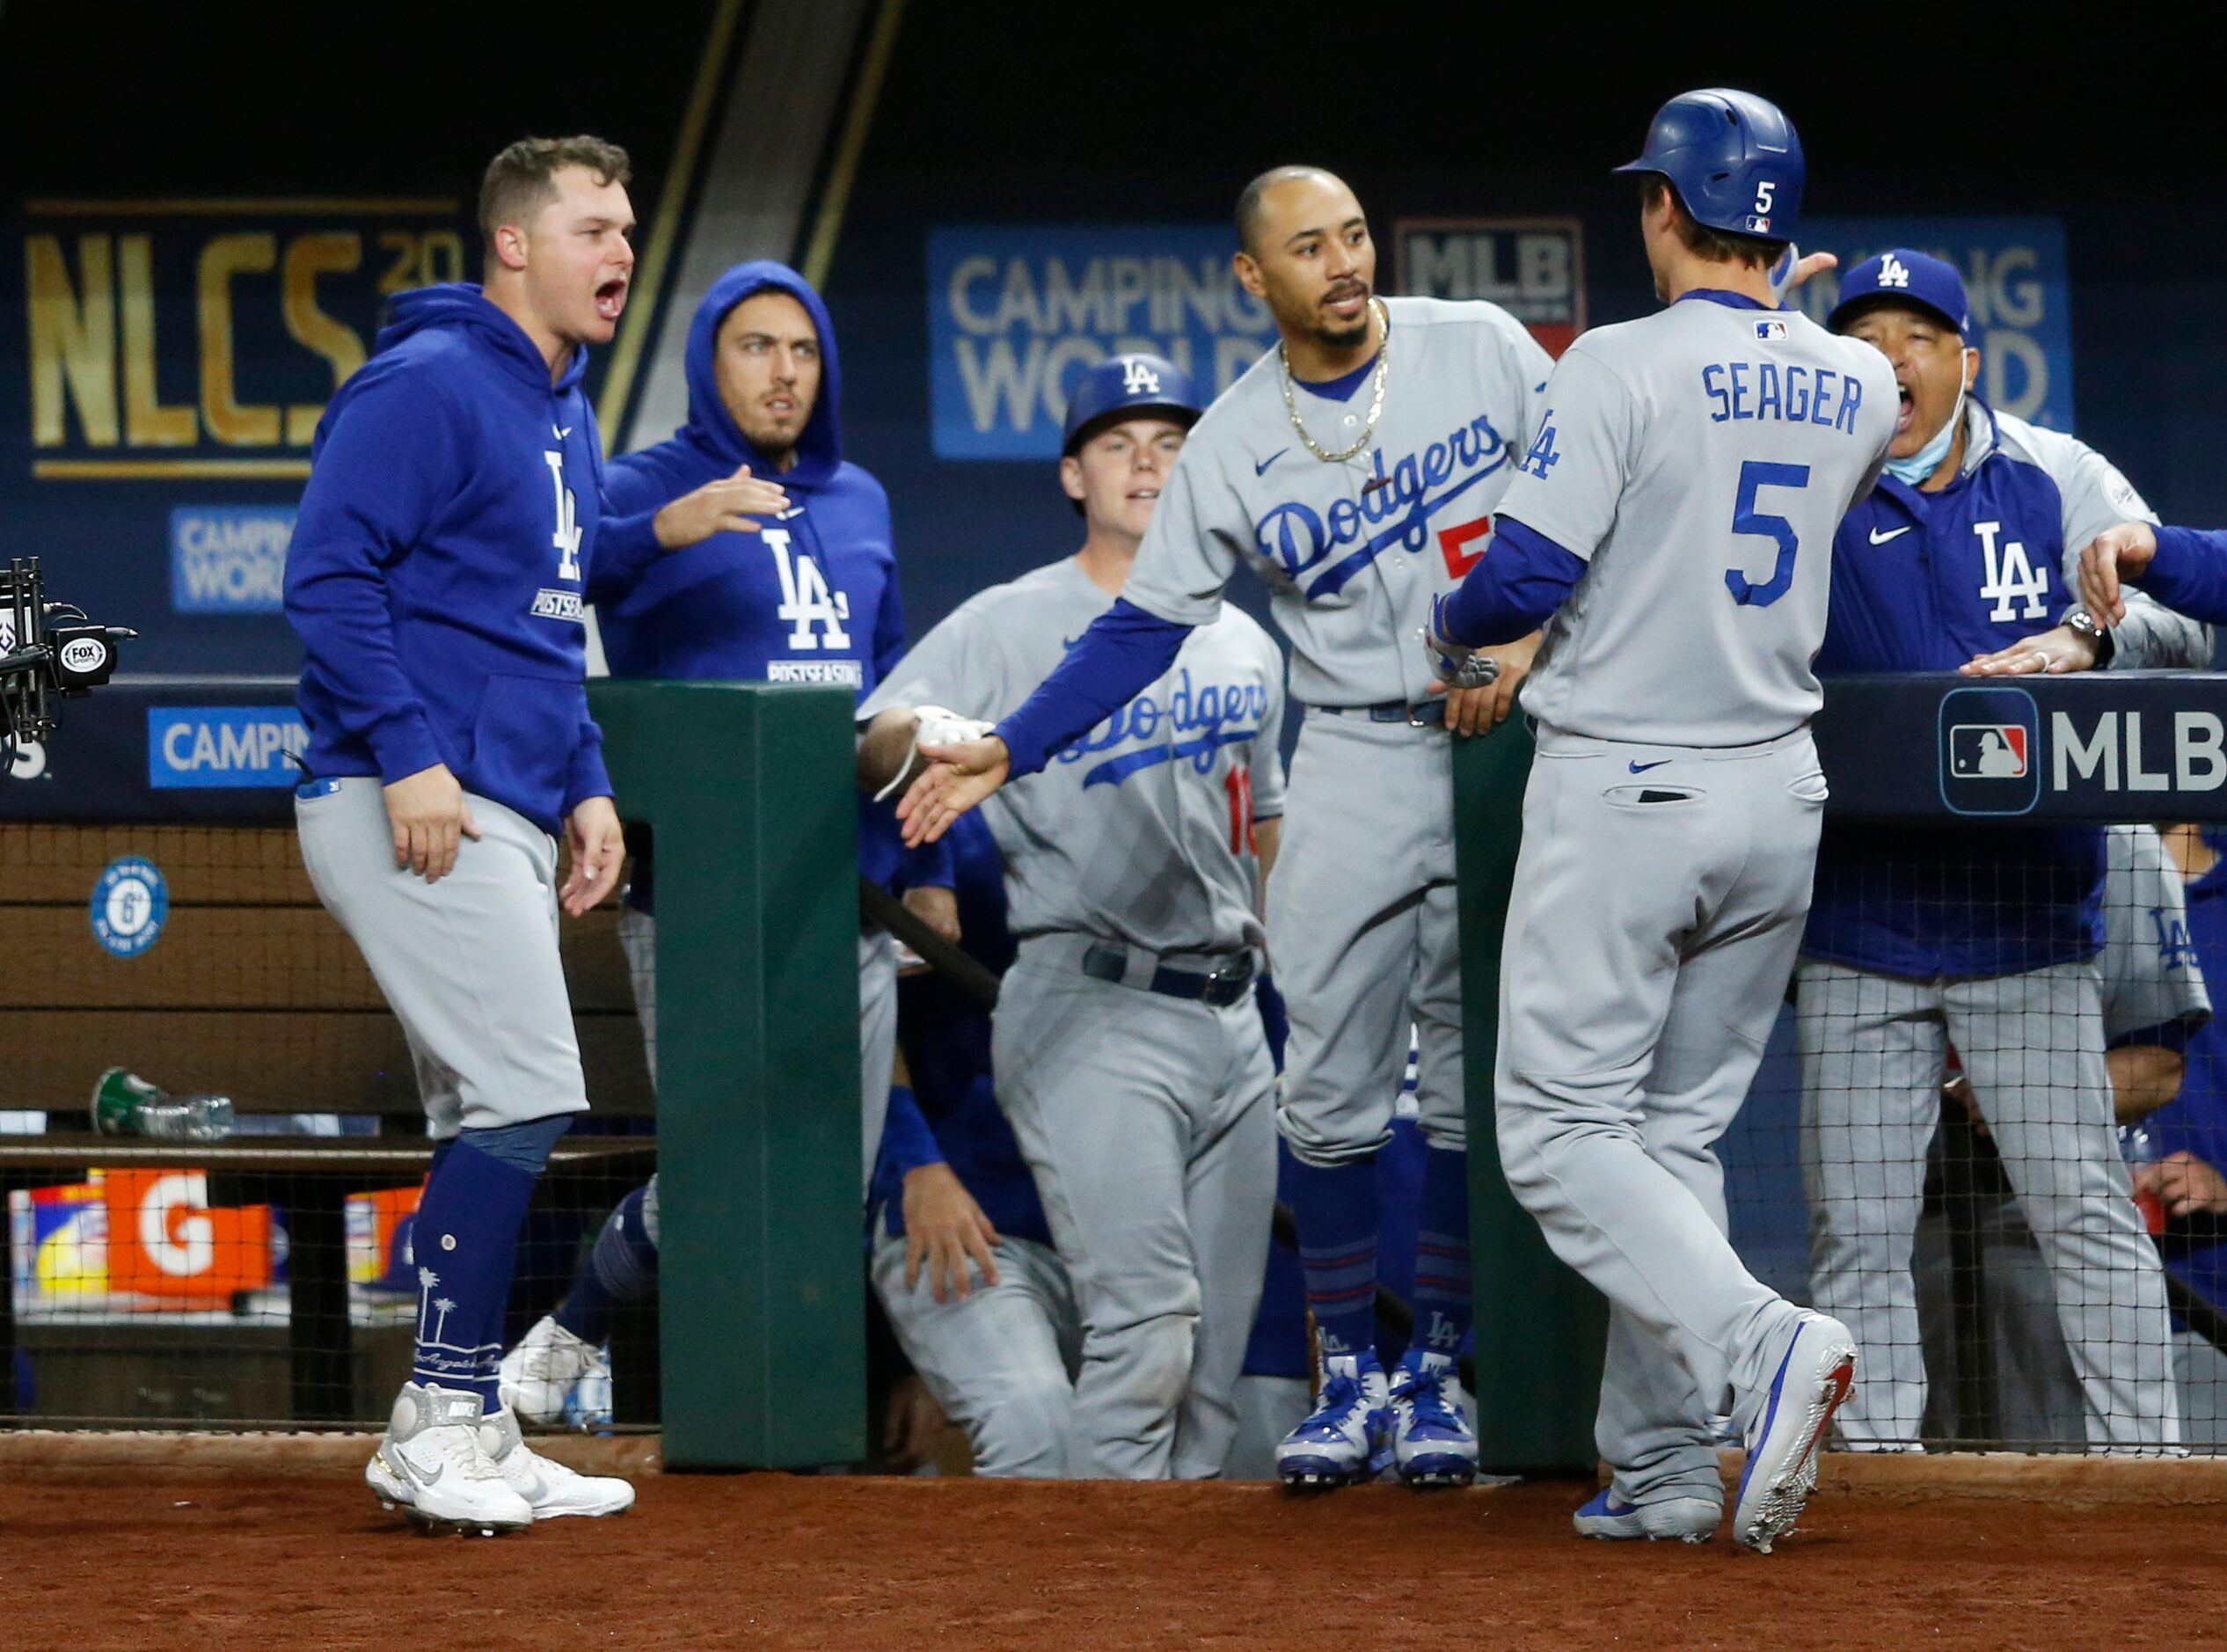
pixel 1753 475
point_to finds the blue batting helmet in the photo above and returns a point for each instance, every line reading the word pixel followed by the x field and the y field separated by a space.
pixel 1124 386
pixel 1734 158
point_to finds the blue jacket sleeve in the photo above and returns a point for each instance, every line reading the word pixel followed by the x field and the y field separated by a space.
pixel 907 1143
pixel 391 459
pixel 1125 650
pixel 586 777
pixel 1520 579
pixel 626 548
pixel 2189 572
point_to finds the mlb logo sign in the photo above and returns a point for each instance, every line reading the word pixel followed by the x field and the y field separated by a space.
pixel 1770 332
pixel 1988 751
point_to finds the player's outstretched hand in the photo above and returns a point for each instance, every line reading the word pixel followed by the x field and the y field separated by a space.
pixel 2054 652
pixel 2184 1184
pixel 1792 269
pixel 733 504
pixel 957 779
pixel 1479 711
pixel 945 1231
pixel 2118 553
pixel 598 848
pixel 429 816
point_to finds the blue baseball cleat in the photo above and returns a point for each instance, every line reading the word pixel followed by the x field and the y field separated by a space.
pixel 1680 1519
pixel 1433 1443
pixel 1348 1438
pixel 1814 1377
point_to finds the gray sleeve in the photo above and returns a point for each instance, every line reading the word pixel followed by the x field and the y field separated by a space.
pixel 2149 974
pixel 2095 495
pixel 1575 469
pixel 1192 547
pixel 1529 367
pixel 1267 745
pixel 954 666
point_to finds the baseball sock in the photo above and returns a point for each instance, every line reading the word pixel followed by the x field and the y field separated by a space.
pixel 1337 1212
pixel 466 1245
pixel 1441 1253
pixel 622 1267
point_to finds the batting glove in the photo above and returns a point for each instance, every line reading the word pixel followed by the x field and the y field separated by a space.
pixel 1456 664
pixel 934 726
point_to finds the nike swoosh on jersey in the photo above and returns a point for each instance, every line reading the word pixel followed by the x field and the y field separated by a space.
pixel 1261 469
pixel 1641 768
pixel 1877 537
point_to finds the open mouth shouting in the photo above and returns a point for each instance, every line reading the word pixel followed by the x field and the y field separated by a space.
pixel 1907 412
pixel 610 297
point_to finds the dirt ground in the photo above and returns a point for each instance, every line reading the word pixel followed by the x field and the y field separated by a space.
pixel 170 1559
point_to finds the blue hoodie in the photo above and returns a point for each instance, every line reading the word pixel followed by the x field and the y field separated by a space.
pixel 439 562
pixel 811 598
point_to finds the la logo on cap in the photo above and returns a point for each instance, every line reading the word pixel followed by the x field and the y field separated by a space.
pixel 1894 273
pixel 1138 379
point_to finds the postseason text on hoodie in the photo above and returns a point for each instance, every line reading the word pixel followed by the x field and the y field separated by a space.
pixel 440 559
pixel 811 598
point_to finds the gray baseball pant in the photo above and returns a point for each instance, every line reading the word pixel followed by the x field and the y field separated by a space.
pixel 469 965
pixel 1874 1052
pixel 1658 905
pixel 1146 1121
pixel 1365 931
pixel 1001 1361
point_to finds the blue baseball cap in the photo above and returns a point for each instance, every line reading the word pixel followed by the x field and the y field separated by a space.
pixel 1904 277
pixel 1124 386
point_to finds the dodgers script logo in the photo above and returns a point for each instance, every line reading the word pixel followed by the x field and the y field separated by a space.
pixel 1299 541
pixel 1195 723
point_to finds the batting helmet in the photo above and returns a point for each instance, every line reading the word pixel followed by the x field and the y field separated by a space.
pixel 1735 159
pixel 1124 386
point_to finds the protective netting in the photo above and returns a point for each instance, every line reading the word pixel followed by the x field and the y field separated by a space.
pixel 1992 1147
pixel 213 1143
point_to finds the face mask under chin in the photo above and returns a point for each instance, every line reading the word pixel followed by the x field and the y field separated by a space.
pixel 1927 459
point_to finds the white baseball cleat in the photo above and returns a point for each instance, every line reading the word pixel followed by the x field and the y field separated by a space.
pixel 1814 1377
pixel 536 1378
pixel 430 1466
pixel 1667 1519
pixel 1348 1438
pixel 550 1489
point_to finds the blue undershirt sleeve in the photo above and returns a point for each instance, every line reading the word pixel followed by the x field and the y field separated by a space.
pixel 1125 650
pixel 907 1143
pixel 1522 579
pixel 2189 572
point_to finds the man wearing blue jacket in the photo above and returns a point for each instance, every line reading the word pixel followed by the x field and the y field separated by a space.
pixel 1965 557
pixel 453 514
pixel 809 596
pixel 2184 567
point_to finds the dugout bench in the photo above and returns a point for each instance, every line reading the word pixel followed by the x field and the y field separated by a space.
pixel 251 991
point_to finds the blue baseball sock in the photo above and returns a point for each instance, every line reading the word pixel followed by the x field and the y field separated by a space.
pixel 465 1241
pixel 1441 1253
pixel 622 1267
pixel 1337 1214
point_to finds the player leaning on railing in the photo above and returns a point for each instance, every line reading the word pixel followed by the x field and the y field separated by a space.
pixel 1919 937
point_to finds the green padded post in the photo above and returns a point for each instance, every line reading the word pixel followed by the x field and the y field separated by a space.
pixel 751 791
pixel 1540 1329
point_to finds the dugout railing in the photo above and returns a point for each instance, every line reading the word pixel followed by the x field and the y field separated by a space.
pixel 1974 760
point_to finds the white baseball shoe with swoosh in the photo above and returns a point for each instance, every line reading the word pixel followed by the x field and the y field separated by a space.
pixel 1815 1374
pixel 431 1464
pixel 550 1490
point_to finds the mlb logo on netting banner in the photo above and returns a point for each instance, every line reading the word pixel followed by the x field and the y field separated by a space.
pixel 1988 751
pixel 1770 332
pixel 1991 750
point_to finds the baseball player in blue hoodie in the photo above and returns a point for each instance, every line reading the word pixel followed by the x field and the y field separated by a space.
pixel 436 576
pixel 809 596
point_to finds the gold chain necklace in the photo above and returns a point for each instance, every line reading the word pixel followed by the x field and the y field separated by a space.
pixel 1376 400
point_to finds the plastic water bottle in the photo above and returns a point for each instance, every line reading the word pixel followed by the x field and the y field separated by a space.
pixel 125 1104
pixel 2135 1147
